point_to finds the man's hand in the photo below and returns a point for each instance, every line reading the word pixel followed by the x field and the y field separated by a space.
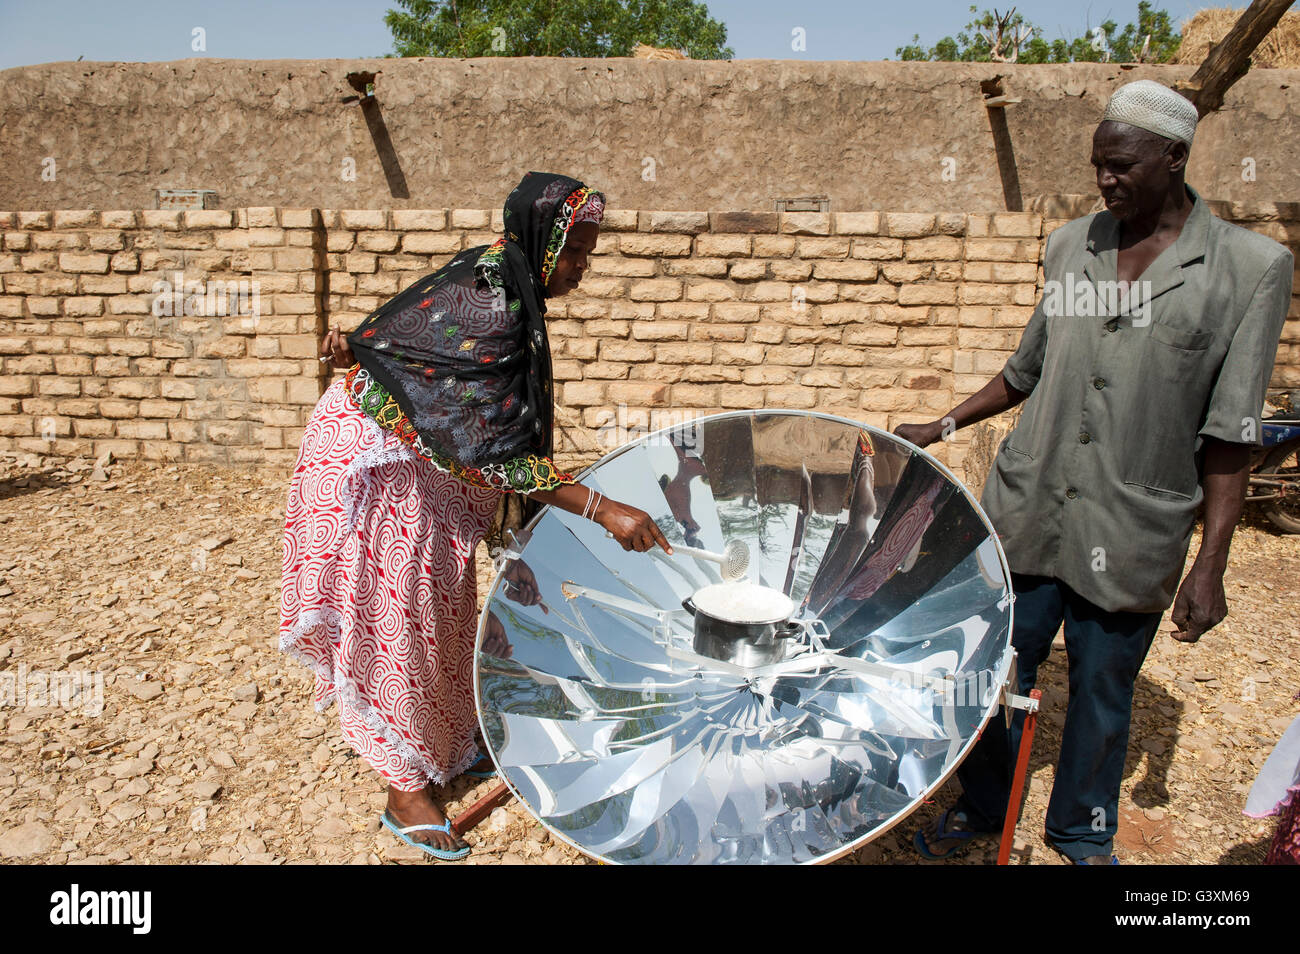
pixel 922 435
pixel 1200 605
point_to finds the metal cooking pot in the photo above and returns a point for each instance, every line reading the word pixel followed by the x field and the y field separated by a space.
pixel 741 643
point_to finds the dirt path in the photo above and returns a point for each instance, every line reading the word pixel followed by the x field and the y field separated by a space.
pixel 164 581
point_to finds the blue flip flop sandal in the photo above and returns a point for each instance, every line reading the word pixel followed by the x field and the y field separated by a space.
pixel 491 773
pixel 442 854
pixel 918 841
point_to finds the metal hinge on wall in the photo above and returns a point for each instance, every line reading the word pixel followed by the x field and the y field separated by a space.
pixel 185 198
pixel 804 203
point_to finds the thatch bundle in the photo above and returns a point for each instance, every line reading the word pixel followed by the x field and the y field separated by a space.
pixel 1280 49
pixel 643 52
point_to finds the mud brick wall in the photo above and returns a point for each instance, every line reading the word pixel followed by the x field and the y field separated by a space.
pixel 89 367
pixel 682 134
pixel 882 317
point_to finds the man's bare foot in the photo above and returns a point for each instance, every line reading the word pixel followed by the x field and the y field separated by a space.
pixel 420 808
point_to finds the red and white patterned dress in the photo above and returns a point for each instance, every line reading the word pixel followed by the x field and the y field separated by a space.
pixel 378 593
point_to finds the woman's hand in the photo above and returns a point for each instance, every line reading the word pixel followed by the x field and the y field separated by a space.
pixel 632 528
pixel 495 642
pixel 335 348
pixel 522 584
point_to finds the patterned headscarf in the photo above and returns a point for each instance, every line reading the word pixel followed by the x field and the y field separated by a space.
pixel 458 365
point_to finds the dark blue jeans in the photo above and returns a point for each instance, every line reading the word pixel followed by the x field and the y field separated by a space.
pixel 1105 651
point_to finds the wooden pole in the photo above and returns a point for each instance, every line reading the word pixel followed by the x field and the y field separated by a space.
pixel 1018 781
pixel 481 809
pixel 1229 59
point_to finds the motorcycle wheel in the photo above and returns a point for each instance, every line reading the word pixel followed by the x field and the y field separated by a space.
pixel 1284 513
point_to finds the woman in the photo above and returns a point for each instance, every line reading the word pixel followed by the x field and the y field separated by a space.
pixel 399 475
pixel 1277 792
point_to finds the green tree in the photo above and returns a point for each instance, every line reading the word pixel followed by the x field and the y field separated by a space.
pixel 1152 39
pixel 551 28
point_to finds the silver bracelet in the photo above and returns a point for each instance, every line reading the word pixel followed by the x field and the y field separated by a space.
pixel 590 496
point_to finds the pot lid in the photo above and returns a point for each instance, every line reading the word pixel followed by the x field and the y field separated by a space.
pixel 742 602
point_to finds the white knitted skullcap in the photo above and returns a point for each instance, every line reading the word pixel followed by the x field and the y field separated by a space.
pixel 1151 106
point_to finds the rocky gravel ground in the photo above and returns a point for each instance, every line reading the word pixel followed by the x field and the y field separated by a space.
pixel 146 714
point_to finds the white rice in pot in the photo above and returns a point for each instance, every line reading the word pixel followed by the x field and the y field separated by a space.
pixel 744 603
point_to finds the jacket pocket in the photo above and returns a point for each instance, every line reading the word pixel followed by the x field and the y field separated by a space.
pixel 1015 453
pixel 1181 339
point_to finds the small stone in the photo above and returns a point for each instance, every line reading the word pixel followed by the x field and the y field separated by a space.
pixel 132 768
pixel 223 759
pixel 73 655
pixel 334 827
pixel 126 811
pixel 144 691
pixel 404 852
pixel 244 711
pixel 1203 676
pixel 215 542
pixel 26 840
pixel 247 693
pixel 207 789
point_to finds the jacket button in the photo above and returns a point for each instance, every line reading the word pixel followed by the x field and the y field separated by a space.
pixel 1098 383
pixel 1112 325
pixel 1085 437
pixel 1071 493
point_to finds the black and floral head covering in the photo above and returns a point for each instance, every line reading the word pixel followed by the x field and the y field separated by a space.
pixel 458 365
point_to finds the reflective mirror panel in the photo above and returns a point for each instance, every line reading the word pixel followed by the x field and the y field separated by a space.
pixel 627 742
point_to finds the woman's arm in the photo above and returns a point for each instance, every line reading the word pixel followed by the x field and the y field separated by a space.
pixel 335 350
pixel 632 528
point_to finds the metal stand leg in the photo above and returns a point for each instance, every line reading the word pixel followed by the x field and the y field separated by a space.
pixel 1030 705
pixel 481 809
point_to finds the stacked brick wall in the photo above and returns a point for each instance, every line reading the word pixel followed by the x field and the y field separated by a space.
pixel 880 317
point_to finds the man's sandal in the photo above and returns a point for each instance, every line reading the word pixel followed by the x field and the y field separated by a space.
pixel 942 832
pixel 443 854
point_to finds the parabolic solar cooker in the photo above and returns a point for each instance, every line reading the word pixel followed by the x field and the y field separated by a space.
pixel 817 656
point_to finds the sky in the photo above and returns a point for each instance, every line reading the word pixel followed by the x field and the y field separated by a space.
pixel 146 30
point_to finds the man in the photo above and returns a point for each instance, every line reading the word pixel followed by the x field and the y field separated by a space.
pixel 1143 371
